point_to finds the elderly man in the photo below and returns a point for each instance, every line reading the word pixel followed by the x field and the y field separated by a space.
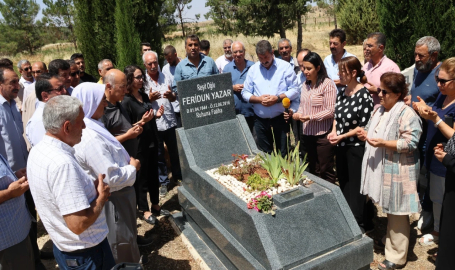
pixel 47 87
pixel 16 250
pixel 205 47
pixel 268 82
pixel 161 95
pixel 101 153
pixel 227 57
pixel 170 54
pixel 12 143
pixel 116 119
pixel 74 74
pixel 26 79
pixel 378 64
pixel 239 70
pixel 38 68
pixel 103 67
pixel 195 64
pixel 68 201
pixel 285 51
pixel 337 39
pixel 80 62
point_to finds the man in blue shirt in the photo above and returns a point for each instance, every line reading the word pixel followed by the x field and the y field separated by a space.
pixel 239 69
pixel 337 38
pixel 426 54
pixel 194 65
pixel 268 82
pixel 16 250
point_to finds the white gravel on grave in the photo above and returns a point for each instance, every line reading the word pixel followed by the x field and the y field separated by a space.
pixel 241 189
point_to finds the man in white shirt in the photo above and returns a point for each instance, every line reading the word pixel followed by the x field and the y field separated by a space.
pixel 337 38
pixel 158 89
pixel 170 54
pixel 46 87
pixel 38 68
pixel 227 57
pixel 285 51
pixel 25 69
pixel 68 201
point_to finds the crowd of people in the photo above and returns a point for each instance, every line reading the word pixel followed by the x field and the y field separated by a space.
pixel 86 153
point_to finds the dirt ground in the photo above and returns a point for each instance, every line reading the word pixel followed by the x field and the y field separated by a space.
pixel 169 252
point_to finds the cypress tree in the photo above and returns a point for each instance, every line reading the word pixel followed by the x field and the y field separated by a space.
pixel 128 40
pixel 358 18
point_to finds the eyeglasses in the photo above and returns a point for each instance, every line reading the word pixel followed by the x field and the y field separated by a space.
pixel 442 81
pixel 60 89
pixel 36 71
pixel 74 74
pixel 384 92
pixel 27 69
pixel 139 77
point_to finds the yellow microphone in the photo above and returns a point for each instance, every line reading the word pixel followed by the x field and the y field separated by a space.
pixel 286 104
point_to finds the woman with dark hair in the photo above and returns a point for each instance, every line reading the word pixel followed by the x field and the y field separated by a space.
pixel 317 105
pixel 390 166
pixel 139 108
pixel 352 110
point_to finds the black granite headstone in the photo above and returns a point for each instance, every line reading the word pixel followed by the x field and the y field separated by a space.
pixel 206 100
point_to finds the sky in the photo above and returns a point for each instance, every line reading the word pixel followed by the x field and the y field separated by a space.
pixel 197 6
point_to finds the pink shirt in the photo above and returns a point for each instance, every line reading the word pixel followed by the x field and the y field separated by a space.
pixel 319 104
pixel 374 73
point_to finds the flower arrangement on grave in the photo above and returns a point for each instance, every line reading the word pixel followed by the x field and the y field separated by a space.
pixel 262 203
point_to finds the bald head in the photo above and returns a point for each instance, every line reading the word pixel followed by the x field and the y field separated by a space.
pixel 38 68
pixel 115 82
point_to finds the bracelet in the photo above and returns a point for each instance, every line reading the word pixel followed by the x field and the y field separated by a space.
pixel 437 123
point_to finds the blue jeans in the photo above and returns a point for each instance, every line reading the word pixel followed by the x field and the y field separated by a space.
pixel 94 258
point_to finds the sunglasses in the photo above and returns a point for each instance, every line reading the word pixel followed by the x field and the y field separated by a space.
pixel 442 81
pixel 139 77
pixel 74 74
pixel 36 72
pixel 27 69
pixel 60 89
pixel 384 92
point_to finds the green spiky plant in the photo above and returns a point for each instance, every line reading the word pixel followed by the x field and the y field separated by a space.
pixel 272 163
pixel 293 168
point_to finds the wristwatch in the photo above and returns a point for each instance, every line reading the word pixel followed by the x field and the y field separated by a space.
pixel 279 99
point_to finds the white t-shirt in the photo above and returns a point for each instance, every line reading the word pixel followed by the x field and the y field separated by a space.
pixel 60 187
pixel 221 62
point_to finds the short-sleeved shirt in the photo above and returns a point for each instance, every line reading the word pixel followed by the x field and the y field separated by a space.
pixel 185 70
pixel 278 79
pixel 117 121
pixel 168 119
pixel 241 106
pixel 61 187
pixel 374 73
pixel 169 71
pixel 221 62
pixel 35 128
pixel 12 143
pixel 351 112
pixel 425 86
pixel 15 219
pixel 135 110
pixel 332 67
pixel 434 136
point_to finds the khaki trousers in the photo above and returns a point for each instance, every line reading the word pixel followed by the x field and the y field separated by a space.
pixel 397 238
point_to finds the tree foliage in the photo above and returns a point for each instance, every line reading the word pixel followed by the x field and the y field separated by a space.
pixel 18 29
pixel 222 13
pixel 60 14
pixel 404 22
pixel 358 19
pixel 127 36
